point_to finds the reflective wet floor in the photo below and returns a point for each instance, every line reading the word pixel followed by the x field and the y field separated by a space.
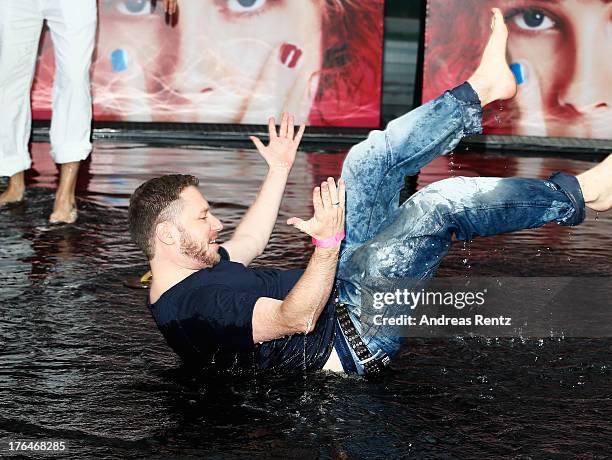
pixel 82 361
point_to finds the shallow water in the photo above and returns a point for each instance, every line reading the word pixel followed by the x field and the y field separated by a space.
pixel 82 361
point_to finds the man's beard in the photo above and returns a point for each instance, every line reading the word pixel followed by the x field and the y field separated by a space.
pixel 192 249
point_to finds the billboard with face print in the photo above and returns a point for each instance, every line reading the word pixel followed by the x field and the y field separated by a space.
pixel 233 61
pixel 558 49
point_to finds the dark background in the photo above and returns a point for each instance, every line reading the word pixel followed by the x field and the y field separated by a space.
pixel 404 22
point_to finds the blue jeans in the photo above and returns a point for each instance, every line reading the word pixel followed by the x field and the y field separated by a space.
pixel 389 241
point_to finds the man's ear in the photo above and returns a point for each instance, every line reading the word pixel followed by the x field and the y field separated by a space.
pixel 164 233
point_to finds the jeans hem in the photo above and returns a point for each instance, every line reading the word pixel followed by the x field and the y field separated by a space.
pixel 570 186
pixel 471 108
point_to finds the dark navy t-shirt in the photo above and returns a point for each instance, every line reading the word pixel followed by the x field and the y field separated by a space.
pixel 207 319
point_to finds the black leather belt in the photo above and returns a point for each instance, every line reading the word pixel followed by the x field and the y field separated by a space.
pixel 372 364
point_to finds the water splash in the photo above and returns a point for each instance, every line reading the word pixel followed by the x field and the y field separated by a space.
pixel 467 254
pixel 451 164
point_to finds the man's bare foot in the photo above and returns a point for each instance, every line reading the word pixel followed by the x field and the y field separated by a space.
pixel 64 211
pixel 493 80
pixel 596 184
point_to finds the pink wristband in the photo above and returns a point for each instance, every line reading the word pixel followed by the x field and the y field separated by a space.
pixel 329 242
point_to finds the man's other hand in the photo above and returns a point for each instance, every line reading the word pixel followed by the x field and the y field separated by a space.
pixel 282 148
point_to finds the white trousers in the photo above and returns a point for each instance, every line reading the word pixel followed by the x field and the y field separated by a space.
pixel 72 24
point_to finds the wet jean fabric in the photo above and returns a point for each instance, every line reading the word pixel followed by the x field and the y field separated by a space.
pixel 387 241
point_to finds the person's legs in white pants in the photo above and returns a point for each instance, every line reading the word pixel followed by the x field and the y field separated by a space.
pixel 72 24
pixel 20 26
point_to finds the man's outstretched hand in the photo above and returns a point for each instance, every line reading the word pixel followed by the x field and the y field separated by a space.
pixel 328 220
pixel 280 151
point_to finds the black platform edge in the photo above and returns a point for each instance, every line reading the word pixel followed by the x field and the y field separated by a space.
pixel 316 138
pixel 208 134
pixel 532 145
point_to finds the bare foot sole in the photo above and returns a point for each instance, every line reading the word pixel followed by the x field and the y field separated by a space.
pixel 64 215
pixel 596 184
pixel 493 80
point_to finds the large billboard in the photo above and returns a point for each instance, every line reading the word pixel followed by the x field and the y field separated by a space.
pixel 560 51
pixel 233 61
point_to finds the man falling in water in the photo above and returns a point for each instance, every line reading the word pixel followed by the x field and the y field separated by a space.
pixel 215 311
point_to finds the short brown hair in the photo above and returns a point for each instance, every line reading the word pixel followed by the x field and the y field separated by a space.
pixel 151 203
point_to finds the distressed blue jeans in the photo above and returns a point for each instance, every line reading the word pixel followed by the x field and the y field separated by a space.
pixel 387 241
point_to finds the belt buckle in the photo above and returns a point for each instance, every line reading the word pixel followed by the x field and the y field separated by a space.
pixel 375 364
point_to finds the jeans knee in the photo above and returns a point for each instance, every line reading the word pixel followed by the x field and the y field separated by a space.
pixel 457 190
pixel 450 185
pixel 444 191
pixel 362 154
pixel 432 205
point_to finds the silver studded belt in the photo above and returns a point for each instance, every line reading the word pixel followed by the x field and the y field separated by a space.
pixel 372 364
